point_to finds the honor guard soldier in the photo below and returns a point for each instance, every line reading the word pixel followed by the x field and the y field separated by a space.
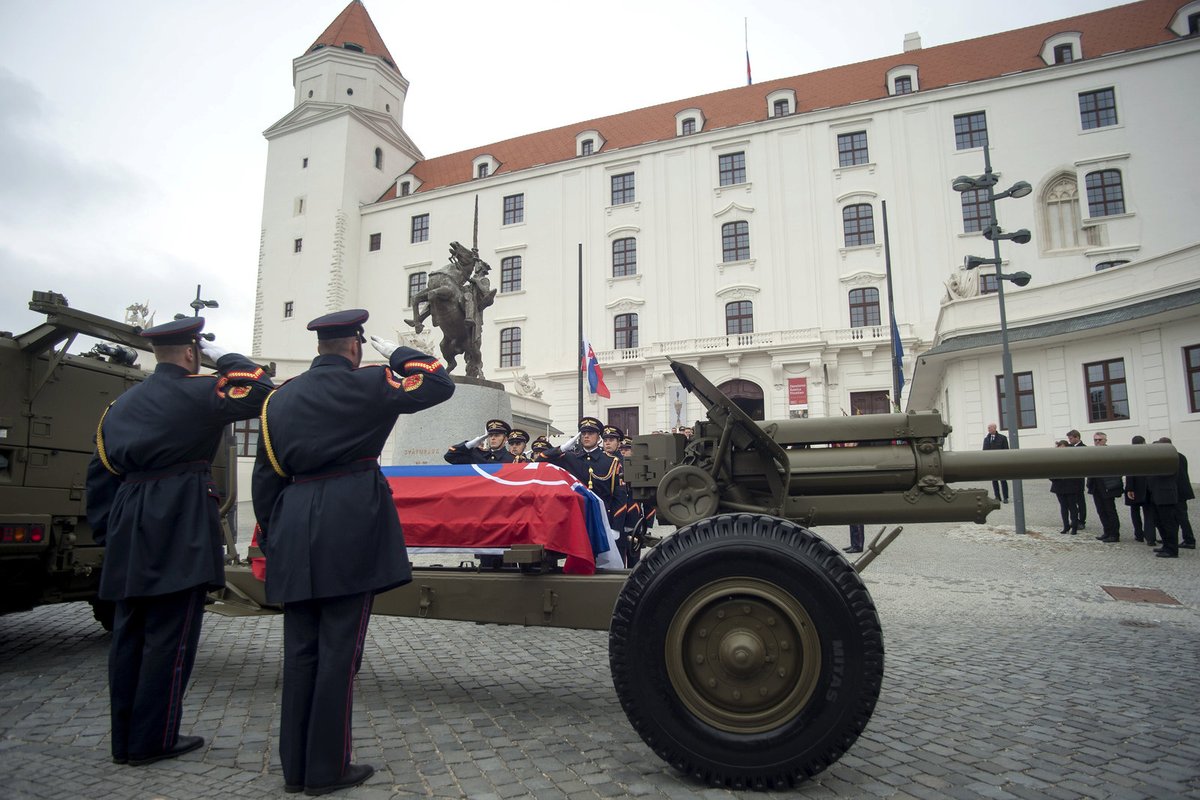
pixel 594 468
pixel 516 445
pixel 152 503
pixel 329 528
pixel 537 448
pixel 496 432
pixel 635 516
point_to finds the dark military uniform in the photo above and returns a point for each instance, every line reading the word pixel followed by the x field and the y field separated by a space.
pixel 538 448
pixel 152 503
pixel 595 469
pixel 517 437
pixel 461 453
pixel 635 516
pixel 330 532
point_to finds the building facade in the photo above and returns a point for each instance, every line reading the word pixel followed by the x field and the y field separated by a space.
pixel 743 231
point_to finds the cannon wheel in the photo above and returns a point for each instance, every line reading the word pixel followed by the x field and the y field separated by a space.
pixel 746 652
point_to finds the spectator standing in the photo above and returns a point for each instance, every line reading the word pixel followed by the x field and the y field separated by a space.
pixel 1135 499
pixel 997 441
pixel 1104 492
pixel 1183 485
pixel 1069 492
pixel 1075 440
pixel 857 537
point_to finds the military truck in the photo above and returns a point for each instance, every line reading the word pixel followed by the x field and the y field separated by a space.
pixel 50 404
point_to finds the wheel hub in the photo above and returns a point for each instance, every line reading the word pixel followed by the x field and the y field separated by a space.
pixel 743 655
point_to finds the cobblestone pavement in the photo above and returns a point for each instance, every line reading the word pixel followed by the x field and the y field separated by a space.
pixel 1010 673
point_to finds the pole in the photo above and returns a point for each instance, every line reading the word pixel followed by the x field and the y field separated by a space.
pixel 894 332
pixel 579 349
pixel 1010 394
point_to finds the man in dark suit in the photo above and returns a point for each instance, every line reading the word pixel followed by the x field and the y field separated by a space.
pixel 997 441
pixel 1162 501
pixel 329 529
pixel 1075 440
pixel 1183 492
pixel 1105 491
pixel 1135 499
pixel 152 503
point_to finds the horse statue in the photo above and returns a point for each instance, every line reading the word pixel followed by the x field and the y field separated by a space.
pixel 454 298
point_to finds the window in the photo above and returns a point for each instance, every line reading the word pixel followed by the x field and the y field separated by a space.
pixel 514 209
pixel 304 163
pixel 988 283
pixel 510 347
pixel 510 274
pixel 1097 109
pixel 1107 395
pixel 864 307
pixel 416 283
pixel 1026 410
pixel 245 436
pixel 1103 265
pixel 1191 365
pixel 1064 54
pixel 378 158
pixel 732 168
pixel 688 127
pixel 852 148
pixel 481 171
pixel 622 188
pixel 970 130
pixel 376 242
pixel 298 207
pixel 1106 195
pixel 976 214
pixel 735 241
pixel 903 85
pixel 624 257
pixel 586 147
pixel 625 331
pixel 878 402
pixel 781 108
pixel 739 317
pixel 420 228
pixel 1063 225
pixel 289 308
pixel 297 245
pixel 858 224
pixel 405 188
pixel 1193 24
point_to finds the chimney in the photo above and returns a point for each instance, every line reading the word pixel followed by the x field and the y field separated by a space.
pixel 912 41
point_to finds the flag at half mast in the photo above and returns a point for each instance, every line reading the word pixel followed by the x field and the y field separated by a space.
pixel 591 367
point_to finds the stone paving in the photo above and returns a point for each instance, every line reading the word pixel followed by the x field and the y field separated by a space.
pixel 1010 673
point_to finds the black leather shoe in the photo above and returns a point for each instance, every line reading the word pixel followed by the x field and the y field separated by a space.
pixel 184 744
pixel 1066 530
pixel 852 549
pixel 1165 554
pixel 1158 550
pixel 293 788
pixel 1101 538
pixel 1188 545
pixel 355 775
pixel 120 760
pixel 1138 539
pixel 1151 542
pixel 1109 539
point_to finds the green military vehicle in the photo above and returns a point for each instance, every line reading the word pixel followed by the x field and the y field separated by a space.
pixel 50 404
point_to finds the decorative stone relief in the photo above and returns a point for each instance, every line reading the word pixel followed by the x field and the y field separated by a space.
pixel 525 385
pixel 961 284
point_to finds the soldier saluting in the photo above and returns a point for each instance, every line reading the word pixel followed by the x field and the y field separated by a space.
pixel 330 531
pixel 592 466
pixel 152 503
pixel 494 452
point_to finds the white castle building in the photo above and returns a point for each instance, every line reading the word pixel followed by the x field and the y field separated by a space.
pixel 742 231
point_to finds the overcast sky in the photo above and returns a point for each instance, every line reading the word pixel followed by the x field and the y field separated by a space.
pixel 131 148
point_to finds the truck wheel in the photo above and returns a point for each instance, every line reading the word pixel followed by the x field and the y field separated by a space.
pixel 746 652
pixel 105 612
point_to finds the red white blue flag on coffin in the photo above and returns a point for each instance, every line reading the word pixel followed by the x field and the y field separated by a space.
pixel 595 375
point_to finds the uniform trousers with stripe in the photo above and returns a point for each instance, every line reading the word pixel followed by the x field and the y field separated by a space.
pixel 322 652
pixel 149 664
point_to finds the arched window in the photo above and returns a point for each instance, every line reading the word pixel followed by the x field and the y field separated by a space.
pixel 858 224
pixel 739 317
pixel 1105 192
pixel 510 274
pixel 625 331
pixel 378 158
pixel 510 347
pixel 864 307
pixel 1061 221
pixel 624 257
pixel 746 395
pixel 735 241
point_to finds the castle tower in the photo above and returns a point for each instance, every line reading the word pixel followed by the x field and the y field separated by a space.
pixel 341 146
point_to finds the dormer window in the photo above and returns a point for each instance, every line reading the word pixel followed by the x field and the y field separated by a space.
pixel 781 108
pixel 1064 54
pixel 903 85
pixel 902 80
pixel 483 166
pixel 405 188
pixel 585 148
pixel 1062 48
pixel 1186 21
pixel 691 120
pixel 357 48
pixel 588 142
pixel 781 102
pixel 482 170
pixel 689 126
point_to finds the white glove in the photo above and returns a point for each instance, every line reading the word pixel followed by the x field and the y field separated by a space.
pixel 384 347
pixel 211 350
pixel 569 443
pixel 475 442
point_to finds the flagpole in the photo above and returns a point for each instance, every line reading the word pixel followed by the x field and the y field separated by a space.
pixel 894 331
pixel 579 348
pixel 746 31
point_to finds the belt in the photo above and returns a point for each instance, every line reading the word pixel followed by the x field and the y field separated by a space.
pixel 167 472
pixel 336 470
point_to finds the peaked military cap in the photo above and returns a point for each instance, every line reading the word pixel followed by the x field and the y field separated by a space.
pixel 340 324
pixel 613 432
pixel 591 424
pixel 626 442
pixel 540 443
pixel 500 426
pixel 517 435
pixel 179 331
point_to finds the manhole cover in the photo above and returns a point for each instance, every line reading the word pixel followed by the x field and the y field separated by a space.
pixel 1133 594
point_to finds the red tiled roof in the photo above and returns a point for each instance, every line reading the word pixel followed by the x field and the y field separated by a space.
pixel 1127 27
pixel 354 25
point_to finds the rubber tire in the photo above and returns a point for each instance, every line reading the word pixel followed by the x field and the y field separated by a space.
pixel 820 579
pixel 105 612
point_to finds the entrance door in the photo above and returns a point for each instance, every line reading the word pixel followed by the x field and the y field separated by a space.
pixel 625 418
pixel 746 395
pixel 870 403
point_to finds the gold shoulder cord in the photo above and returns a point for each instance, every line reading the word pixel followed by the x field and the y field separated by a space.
pixel 100 441
pixel 267 439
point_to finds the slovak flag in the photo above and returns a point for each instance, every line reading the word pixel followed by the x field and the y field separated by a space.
pixel 595 376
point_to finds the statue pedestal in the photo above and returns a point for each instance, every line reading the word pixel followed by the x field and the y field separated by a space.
pixel 424 437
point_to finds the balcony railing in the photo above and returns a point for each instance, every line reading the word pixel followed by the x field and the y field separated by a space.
pixel 740 342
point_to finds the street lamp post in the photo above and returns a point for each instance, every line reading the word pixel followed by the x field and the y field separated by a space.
pixel 987 181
